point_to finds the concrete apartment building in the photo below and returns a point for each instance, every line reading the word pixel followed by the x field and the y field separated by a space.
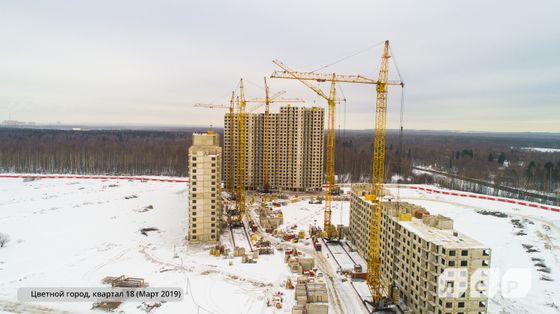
pixel 416 248
pixel 205 208
pixel 295 150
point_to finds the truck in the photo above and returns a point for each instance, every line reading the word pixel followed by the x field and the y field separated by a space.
pixel 317 246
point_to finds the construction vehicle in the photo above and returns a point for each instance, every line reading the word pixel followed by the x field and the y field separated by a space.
pixel 317 246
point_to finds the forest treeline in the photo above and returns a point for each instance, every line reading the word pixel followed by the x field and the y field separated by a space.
pixel 491 157
pixel 116 152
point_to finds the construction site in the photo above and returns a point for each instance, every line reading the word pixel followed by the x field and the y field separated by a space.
pixel 397 251
pixel 268 157
pixel 263 222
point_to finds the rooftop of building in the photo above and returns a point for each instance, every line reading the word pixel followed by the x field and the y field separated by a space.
pixel 447 238
pixel 436 229
pixel 205 133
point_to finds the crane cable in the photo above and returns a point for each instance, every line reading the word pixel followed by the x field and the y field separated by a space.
pixel 349 56
pixel 401 129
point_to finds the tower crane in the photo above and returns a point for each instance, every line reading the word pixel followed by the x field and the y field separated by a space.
pixel 374 281
pixel 305 77
pixel 241 194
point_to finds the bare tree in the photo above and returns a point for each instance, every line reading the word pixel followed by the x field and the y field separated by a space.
pixel 4 239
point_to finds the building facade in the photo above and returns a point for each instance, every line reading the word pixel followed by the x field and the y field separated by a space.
pixel 294 150
pixel 424 262
pixel 205 205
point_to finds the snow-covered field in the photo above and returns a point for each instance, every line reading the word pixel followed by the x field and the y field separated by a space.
pixel 74 232
pixel 528 238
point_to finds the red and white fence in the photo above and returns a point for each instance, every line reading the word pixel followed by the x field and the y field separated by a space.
pixel 186 180
pixel 50 176
pixel 484 197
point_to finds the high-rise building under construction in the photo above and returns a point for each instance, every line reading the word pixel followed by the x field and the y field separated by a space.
pixel 427 264
pixel 205 208
pixel 290 146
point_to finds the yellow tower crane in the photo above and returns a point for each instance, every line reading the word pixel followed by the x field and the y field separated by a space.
pixel 333 78
pixel 241 125
pixel 374 274
pixel 266 177
pixel 374 281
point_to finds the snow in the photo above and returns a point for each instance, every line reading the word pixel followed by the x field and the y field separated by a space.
pixel 396 178
pixel 542 149
pixel 542 230
pixel 74 232
pixel 303 214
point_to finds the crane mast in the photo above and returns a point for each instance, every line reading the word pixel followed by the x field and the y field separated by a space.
pixel 230 184
pixel 374 281
pixel 266 179
pixel 330 159
pixel 241 126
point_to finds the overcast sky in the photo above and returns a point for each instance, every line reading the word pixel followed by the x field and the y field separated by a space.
pixel 468 65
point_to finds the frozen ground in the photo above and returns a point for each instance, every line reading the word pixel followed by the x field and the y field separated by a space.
pixel 526 238
pixel 74 232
